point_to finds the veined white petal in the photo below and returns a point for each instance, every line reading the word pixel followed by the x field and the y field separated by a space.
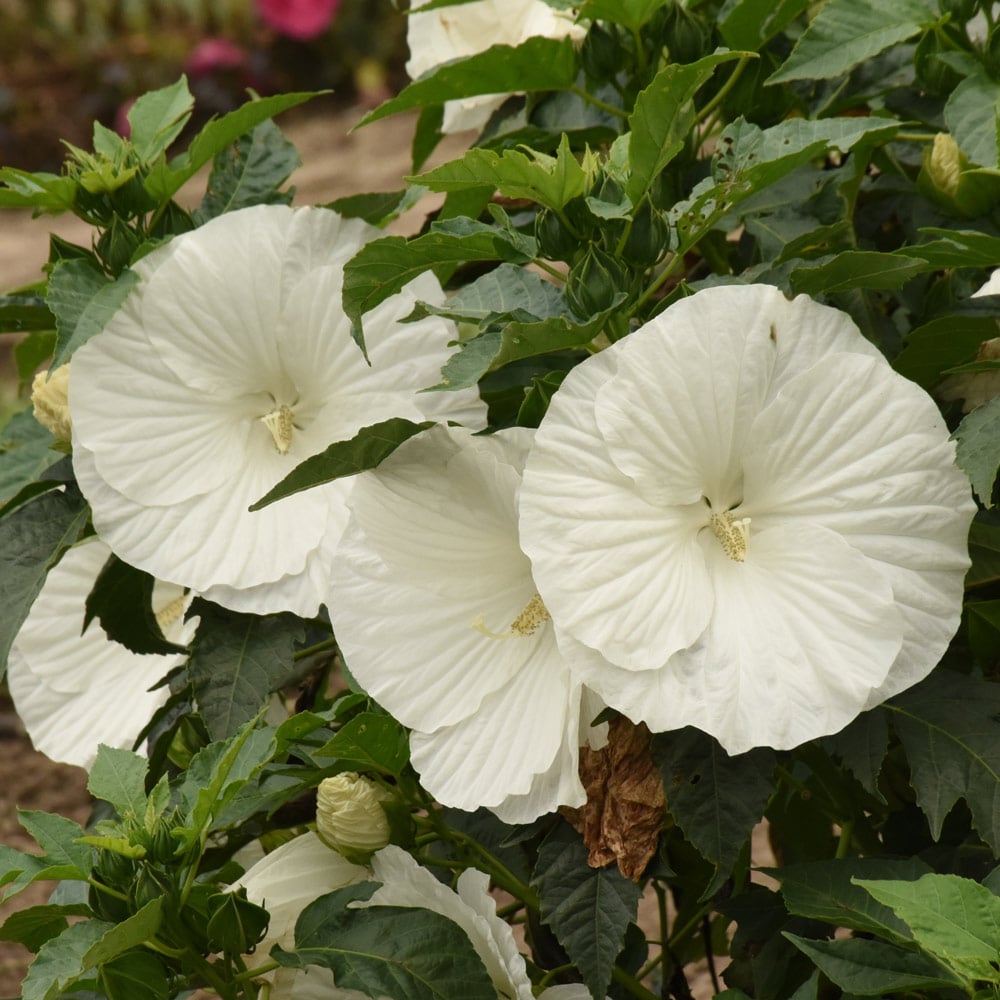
pixel 229 364
pixel 406 884
pixel 620 574
pixel 517 734
pixel 75 691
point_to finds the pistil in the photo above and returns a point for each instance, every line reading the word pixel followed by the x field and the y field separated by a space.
pixel 528 622
pixel 279 423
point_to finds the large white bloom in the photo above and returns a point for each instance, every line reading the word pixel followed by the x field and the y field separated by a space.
pixel 75 691
pixel 298 872
pixel 449 33
pixel 435 609
pixel 230 363
pixel 752 516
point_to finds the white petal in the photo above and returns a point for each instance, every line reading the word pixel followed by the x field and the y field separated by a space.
pixel 620 574
pixel 405 883
pixel 856 448
pixel 72 691
pixel 518 733
pixel 288 879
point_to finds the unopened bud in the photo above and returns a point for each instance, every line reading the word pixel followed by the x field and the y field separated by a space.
pixel 50 398
pixel 351 816
pixel 954 184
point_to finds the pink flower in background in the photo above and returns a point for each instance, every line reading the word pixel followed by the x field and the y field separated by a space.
pixel 300 19
pixel 213 54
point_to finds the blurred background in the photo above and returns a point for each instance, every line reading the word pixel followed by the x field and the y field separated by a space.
pixel 65 63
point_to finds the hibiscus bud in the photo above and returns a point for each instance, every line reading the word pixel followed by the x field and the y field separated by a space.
pixel 948 179
pixel 50 399
pixel 351 816
pixel 686 36
pixel 555 241
pixel 935 75
pixel 602 54
pixel 594 282
pixel 648 239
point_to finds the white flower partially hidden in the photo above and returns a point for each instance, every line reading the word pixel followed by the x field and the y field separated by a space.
pixel 285 882
pixel 977 388
pixel 435 609
pixel 290 878
pixel 406 884
pixel 449 33
pixel 230 363
pixel 75 691
pixel 751 516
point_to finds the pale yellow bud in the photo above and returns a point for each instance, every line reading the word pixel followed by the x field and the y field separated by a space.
pixel 50 398
pixel 350 814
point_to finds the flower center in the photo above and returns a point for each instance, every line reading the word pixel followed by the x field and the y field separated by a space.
pixel 528 622
pixel 170 612
pixel 733 535
pixel 279 423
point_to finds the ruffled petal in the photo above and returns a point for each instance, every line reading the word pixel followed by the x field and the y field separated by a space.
pixel 75 691
pixel 620 574
pixel 857 449
pixel 517 734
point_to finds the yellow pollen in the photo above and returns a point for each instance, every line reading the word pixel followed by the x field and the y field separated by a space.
pixel 528 622
pixel 279 423
pixel 733 535
pixel 170 612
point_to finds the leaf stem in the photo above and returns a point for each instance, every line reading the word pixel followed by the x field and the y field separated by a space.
pixel 720 96
pixel 597 102
pixel 844 843
pixel 661 907
pixel 913 137
pixel 632 984
pixel 549 269
pixel 319 647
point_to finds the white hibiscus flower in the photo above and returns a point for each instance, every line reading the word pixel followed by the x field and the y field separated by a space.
pixel 298 872
pixel 751 516
pixel 977 388
pixel 435 609
pixel 230 363
pixel 449 33
pixel 75 691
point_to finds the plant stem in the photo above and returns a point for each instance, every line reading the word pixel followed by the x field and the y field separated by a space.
pixel 632 984
pixel 597 102
pixel 723 90
pixel 552 973
pixel 549 269
pixel 844 843
pixel 320 647
pixel 913 137
pixel 661 907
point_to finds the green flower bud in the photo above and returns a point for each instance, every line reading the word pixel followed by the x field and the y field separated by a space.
pixel 936 76
pixel 948 179
pixel 235 925
pixel 686 36
pixel 648 239
pixel 960 10
pixel 555 242
pixel 351 815
pixel 602 54
pixel 147 886
pixel 594 282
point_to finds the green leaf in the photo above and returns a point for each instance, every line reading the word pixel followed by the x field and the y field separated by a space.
pixel 873 968
pixel 828 891
pixel 370 742
pixel 977 440
pixel 24 453
pixel 954 919
pixel 588 909
pixel 43 192
pixel 134 974
pixel 24 312
pixel 846 33
pixel 388 951
pixel 547 180
pixel 59 963
pixel 972 114
pixel 984 551
pixel 34 349
pixel 83 299
pixel 537 64
pixel 250 172
pixel 236 661
pixel 856 269
pixel 380 208
pixel 119 777
pixel 164 181
pixel 35 925
pixel 633 14
pixel 662 118
pixel 949 725
pixel 504 290
pixel 135 930
pixel 56 836
pixel 748 24
pixel 955 248
pixel 158 117
pixel 518 339
pixel 369 447
pixel 862 746
pixel 382 267
pixel 122 600
pixel 941 344
pixel 31 540
pixel 715 799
